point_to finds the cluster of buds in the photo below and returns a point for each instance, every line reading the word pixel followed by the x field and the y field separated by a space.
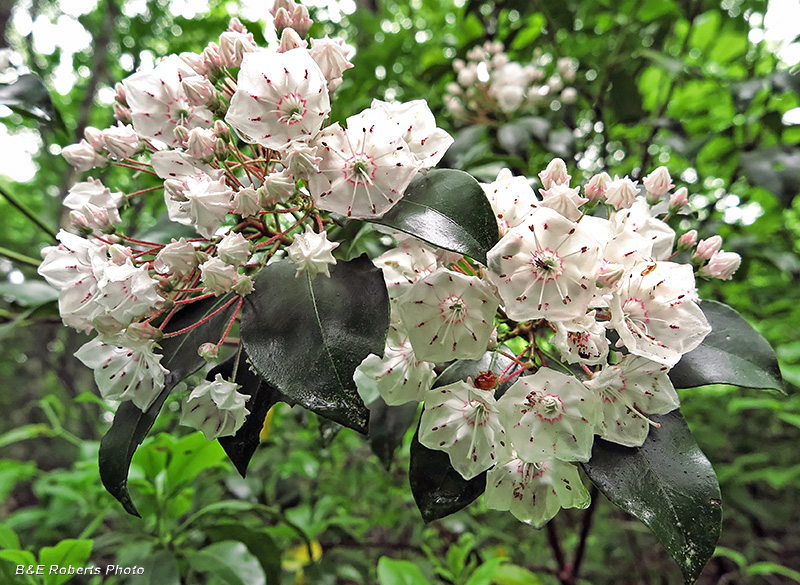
pixel 585 280
pixel 490 86
pixel 247 158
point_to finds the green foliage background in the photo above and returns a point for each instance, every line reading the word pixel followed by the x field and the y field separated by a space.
pixel 660 82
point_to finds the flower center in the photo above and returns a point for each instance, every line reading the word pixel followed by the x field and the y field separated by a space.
pixel 636 316
pixel 546 265
pixel 360 169
pixel 453 309
pixel 290 109
pixel 550 408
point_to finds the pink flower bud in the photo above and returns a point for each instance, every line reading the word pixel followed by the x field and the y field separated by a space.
pixel 687 240
pixel 597 186
pixel 199 90
pixel 200 144
pixel 708 247
pixel 301 21
pixel 94 137
pixel 195 62
pixel 245 202
pixel 283 19
pixel 555 174
pixel 82 156
pixel 221 130
pixel 243 286
pixel 678 199
pixel 291 40
pixel 208 351
pixel 121 141
pixel 722 265
pixel 657 183
pixel 621 193
pixel 287 5
pixel 122 114
pixel 181 134
pixel 236 25
pixel 120 97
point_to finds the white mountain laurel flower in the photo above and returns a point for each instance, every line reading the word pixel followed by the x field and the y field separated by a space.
pixel 658 183
pixel 555 174
pixel 82 156
pixel 208 200
pixel 159 104
pixel 638 218
pixel 398 377
pixel 280 97
pixel 655 313
pixel 126 292
pixel 630 391
pixel 332 56
pixel 464 422
pixel 418 128
pixel 564 200
pixel 621 193
pixel 550 414
pixel 534 492
pixel 121 141
pixel 93 192
pixel 722 265
pixel 364 170
pixel 448 316
pixel 546 268
pixel 125 372
pixel 311 253
pixel 246 203
pixel 215 408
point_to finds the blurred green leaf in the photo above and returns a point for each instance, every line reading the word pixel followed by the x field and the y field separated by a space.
pixel 258 542
pixel 230 562
pixel 29 96
pixel 67 553
pixel 391 572
pixel 160 568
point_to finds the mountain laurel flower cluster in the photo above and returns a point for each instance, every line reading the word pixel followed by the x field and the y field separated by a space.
pixel 333 262
pixel 587 286
pixel 489 84
pixel 238 142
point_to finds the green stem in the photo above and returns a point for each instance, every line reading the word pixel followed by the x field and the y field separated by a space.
pixel 27 214
pixel 12 255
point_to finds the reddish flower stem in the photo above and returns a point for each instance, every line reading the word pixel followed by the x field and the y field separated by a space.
pixel 201 321
pixel 156 188
pixel 135 168
pixel 230 323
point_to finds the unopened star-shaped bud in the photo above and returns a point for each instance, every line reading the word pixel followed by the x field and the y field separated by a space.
pixel 687 240
pixel 678 200
pixel 597 187
pixel 657 184
pixel 722 265
pixel 245 202
pixel 291 40
pixel 555 174
pixel 217 276
pixel 464 422
pixel 121 141
pixel 564 200
pixel 708 247
pixel 311 252
pixel 448 316
pixel 215 408
pixel 621 193
pixel 234 249
pixel 82 156
pixel 535 492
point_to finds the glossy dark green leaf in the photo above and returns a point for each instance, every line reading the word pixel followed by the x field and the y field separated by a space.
pixel 306 336
pixel 438 489
pixel 131 425
pixel 241 446
pixel 387 426
pixel 258 542
pixel 733 353
pixel 448 209
pixel 29 96
pixel 668 484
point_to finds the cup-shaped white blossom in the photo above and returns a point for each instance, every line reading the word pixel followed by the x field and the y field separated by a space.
pixel 133 372
pixel 534 492
pixel 464 422
pixel 448 316
pixel 159 104
pixel 312 253
pixel 215 408
pixel 364 170
pixel 546 268
pixel 630 391
pixel 550 415
pixel 417 126
pixel 94 192
pixel 234 249
pixel 398 377
pixel 177 258
pixel 655 313
pixel 280 97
